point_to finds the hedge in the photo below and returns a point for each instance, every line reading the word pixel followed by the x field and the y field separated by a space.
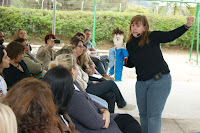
pixel 38 23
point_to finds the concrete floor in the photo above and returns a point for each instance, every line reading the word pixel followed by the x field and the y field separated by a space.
pixel 182 110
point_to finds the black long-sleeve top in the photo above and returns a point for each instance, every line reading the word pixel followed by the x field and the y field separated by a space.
pixel 148 59
pixel 12 74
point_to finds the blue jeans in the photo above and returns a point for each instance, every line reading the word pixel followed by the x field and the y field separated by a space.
pixel 151 98
pixel 102 64
pixel 99 100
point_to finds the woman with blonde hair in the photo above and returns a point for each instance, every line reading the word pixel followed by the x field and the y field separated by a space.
pixel 32 102
pixel 8 123
pixel 21 33
pixel 64 59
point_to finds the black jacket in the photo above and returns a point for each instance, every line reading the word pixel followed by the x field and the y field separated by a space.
pixel 13 74
pixel 148 59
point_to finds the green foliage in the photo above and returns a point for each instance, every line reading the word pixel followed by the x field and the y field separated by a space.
pixel 137 9
pixel 38 23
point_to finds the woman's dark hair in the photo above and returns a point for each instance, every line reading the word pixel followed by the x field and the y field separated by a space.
pixel 2 47
pixel 61 82
pixel 14 49
pixel 48 36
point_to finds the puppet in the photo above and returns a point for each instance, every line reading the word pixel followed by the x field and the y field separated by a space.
pixel 117 54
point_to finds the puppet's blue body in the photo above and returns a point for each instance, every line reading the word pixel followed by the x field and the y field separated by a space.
pixel 116 58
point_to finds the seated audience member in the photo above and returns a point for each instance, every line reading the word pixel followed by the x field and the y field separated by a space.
pixel 21 33
pixel 34 65
pixel 64 59
pixel 107 89
pixel 87 61
pixel 4 63
pixel 102 65
pixel 1 38
pixel 62 88
pixel 88 116
pixel 18 69
pixel 32 102
pixel 45 53
pixel 8 123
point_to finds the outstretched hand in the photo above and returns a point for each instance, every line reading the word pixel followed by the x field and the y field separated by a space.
pixel 190 21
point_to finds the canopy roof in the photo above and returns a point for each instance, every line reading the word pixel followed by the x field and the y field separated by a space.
pixel 179 1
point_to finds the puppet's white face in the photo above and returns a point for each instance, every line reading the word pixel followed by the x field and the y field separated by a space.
pixel 118 40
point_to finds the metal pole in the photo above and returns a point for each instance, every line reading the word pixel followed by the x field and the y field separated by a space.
pixel 197 34
pixel 82 6
pixel 94 24
pixel 120 7
pixel 2 2
pixel 42 4
pixel 194 30
pixel 54 17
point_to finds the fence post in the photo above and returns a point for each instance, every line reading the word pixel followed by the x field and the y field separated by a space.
pixel 196 24
pixel 54 17
pixel 94 24
pixel 82 6
pixel 2 2
pixel 120 7
pixel 42 4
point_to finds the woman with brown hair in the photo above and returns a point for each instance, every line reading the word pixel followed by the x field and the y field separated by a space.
pixel 153 75
pixel 106 89
pixel 89 65
pixel 18 69
pixel 32 102
pixel 34 65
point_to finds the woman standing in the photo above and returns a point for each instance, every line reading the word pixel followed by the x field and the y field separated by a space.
pixel 153 75
pixel 4 63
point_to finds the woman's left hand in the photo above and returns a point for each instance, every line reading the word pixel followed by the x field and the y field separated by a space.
pixel 190 21
pixel 106 117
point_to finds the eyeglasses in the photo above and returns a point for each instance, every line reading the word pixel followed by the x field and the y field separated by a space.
pixel 80 46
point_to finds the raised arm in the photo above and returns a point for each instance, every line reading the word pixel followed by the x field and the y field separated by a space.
pixel 164 37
